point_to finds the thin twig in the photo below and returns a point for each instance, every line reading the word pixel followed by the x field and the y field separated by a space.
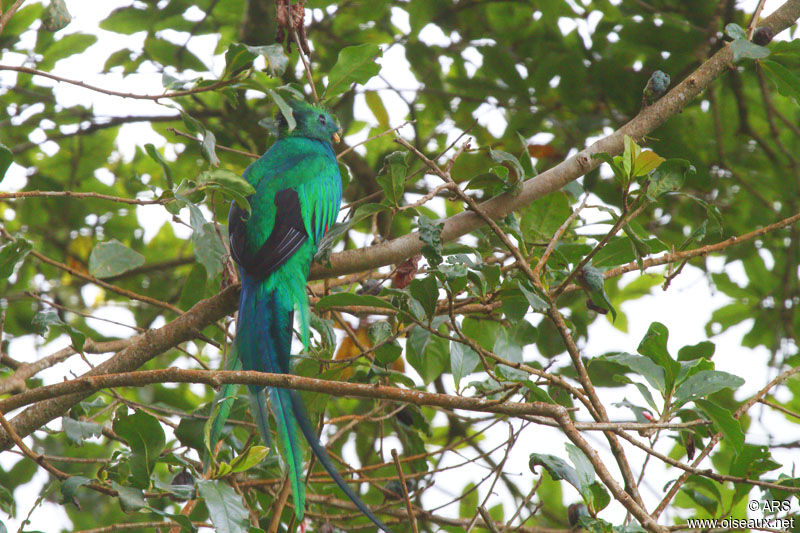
pixel 754 20
pixel 305 65
pixel 72 194
pixel 379 135
pixel 557 236
pixel 403 487
pixel 245 153
pixel 154 97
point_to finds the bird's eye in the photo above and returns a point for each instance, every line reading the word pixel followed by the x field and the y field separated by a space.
pixel 322 119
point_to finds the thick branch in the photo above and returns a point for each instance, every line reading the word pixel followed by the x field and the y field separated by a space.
pixel 92 383
pixel 142 348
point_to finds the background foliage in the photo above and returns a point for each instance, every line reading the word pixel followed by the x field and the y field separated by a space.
pixel 142 241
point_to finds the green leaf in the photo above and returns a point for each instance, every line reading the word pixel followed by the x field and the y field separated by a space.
pixel 426 292
pixel 158 158
pixel 77 431
pixel 48 318
pixel 640 247
pixel 193 125
pixel 631 152
pixel 646 162
pixel 6 158
pixel 583 467
pixel 325 329
pixel 468 501
pixel 231 183
pixel 701 350
pixel 225 507
pixel 379 332
pixel 375 105
pixel 708 486
pixel 66 46
pixel 557 468
pixel 356 64
pixel 786 81
pixel 130 498
pixel 144 435
pixel 367 210
pixel 427 353
pixel 11 254
pixel 387 353
pixel 701 499
pixel 430 233
pixel 704 383
pixel 168 53
pixel 194 286
pixel 276 59
pixel 669 176
pixel 537 303
pixel 744 49
pixel 619 172
pixel 690 368
pixel 463 360
pixel 208 146
pixel 753 461
pixel 735 31
pixel 654 346
pixel 641 366
pixel 112 258
pixel 638 411
pixel 170 82
pixel 345 299
pixel 730 428
pixel 596 496
pixel 392 176
pixel 71 485
pixel 284 108
pixel 511 374
pixel 22 20
pixel 237 57
pixel 537 394
pixel 542 218
pixel 514 182
pixel 183 520
pixel 208 248
pixel 253 456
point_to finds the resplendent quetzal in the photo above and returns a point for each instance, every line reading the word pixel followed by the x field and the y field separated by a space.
pixel 298 194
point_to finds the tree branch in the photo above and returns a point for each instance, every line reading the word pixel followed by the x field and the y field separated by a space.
pixel 174 94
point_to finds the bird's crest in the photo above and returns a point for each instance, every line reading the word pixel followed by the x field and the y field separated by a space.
pixel 311 120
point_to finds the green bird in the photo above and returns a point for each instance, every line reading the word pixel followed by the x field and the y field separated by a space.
pixel 298 194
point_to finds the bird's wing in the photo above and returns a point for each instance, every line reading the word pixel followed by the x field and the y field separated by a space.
pixel 288 234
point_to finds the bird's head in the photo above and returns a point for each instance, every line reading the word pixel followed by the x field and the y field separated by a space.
pixel 313 121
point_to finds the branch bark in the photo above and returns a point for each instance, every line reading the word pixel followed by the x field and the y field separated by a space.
pixel 89 384
pixel 142 348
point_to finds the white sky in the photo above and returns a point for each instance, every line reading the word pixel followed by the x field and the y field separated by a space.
pixel 685 308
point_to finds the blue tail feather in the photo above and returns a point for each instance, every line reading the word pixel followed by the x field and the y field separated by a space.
pixel 263 339
pixel 322 455
pixel 258 408
pixel 221 407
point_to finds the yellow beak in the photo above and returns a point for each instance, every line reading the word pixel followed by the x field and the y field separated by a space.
pixel 336 137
